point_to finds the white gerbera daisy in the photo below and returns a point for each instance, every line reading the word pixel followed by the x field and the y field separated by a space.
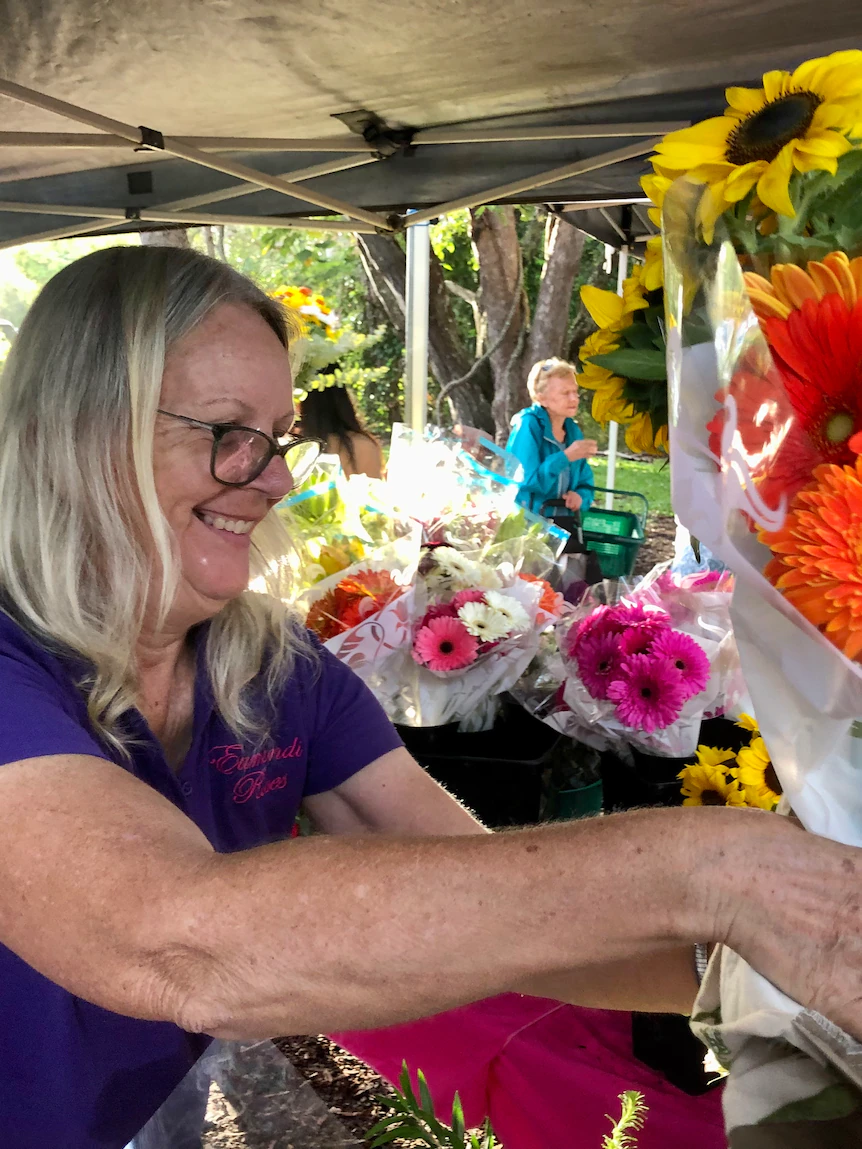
pixel 509 607
pixel 483 622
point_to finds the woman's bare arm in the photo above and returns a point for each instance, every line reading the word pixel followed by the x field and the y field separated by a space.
pixel 109 890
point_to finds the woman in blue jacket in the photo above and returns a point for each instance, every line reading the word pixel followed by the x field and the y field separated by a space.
pixel 549 444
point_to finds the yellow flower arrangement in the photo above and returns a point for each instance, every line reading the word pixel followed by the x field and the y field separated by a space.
pixel 724 778
pixel 623 362
pixel 797 122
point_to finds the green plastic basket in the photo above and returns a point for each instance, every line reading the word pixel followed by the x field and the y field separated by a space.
pixel 615 536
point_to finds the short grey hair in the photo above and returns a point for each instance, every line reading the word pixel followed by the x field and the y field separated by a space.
pixel 544 371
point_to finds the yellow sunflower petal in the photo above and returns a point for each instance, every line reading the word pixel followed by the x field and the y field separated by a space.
pixel 742 179
pixel 605 307
pixel 773 185
pixel 745 100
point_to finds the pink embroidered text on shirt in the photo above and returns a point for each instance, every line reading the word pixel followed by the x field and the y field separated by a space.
pixel 230 759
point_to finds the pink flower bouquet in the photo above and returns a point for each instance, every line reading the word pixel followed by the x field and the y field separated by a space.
pixel 634 678
pixel 472 639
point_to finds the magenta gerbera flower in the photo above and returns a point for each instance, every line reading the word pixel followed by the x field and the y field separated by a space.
pixel 439 610
pixel 649 695
pixel 600 622
pixel 463 596
pixel 687 656
pixel 598 659
pixel 639 637
pixel 445 644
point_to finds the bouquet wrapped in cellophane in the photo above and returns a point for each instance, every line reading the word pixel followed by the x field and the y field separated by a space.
pixel 476 627
pixel 645 671
pixel 762 227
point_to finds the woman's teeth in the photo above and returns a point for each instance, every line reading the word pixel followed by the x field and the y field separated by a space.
pixel 235 526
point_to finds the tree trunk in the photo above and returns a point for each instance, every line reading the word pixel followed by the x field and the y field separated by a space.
pixel 564 245
pixel 175 237
pixel 504 302
pixel 385 264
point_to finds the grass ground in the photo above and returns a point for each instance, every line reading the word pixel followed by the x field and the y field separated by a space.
pixel 651 479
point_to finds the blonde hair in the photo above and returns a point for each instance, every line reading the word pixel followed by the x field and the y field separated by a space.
pixel 78 399
pixel 544 371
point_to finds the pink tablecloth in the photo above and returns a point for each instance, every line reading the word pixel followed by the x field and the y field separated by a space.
pixel 546 1074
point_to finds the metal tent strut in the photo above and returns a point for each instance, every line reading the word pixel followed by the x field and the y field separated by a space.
pixel 147 138
pixel 356 151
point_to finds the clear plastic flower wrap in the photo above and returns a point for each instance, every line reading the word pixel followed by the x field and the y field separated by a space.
pixel 336 521
pixel 636 677
pixel 460 496
pixel 766 415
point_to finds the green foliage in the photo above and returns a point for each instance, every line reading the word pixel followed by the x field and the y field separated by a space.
pixel 631 1120
pixel 413 1119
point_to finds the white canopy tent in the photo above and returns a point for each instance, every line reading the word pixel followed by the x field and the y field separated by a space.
pixel 361 114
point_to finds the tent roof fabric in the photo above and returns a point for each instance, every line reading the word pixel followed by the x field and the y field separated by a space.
pixel 266 69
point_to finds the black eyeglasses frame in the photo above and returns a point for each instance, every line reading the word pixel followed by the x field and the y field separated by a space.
pixel 219 430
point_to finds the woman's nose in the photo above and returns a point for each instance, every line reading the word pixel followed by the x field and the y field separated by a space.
pixel 275 480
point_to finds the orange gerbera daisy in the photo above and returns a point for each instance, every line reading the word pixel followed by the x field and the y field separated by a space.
pixel 817 555
pixel 355 598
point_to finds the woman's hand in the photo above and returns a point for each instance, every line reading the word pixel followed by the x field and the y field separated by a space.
pixel 573 500
pixel 581 449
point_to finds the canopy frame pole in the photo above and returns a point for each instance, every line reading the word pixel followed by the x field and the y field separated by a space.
pixel 416 326
pixel 69 232
pixel 614 428
pixel 426 136
pixel 189 219
pixel 77 140
pixel 506 191
pixel 148 138
pixel 242 189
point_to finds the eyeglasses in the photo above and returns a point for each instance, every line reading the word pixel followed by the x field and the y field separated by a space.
pixel 241 454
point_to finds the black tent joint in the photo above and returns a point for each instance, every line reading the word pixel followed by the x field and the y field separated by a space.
pixel 385 140
pixel 151 140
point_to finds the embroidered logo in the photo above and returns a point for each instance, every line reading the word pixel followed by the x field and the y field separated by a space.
pixel 253 779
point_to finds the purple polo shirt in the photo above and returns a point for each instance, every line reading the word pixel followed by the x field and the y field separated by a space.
pixel 73 1075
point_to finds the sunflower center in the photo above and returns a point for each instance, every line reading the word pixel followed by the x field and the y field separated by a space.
pixel 446 647
pixel 839 427
pixel 762 135
pixel 771 779
pixel 711 798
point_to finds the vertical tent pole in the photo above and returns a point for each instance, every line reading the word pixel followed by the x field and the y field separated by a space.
pixel 613 428
pixel 416 327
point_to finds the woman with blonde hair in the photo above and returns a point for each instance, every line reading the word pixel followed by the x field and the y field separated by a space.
pixel 162 725
pixel 548 442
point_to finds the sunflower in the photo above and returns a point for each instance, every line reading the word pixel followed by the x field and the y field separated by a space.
pixel 798 121
pixel 709 781
pixel 817 555
pixel 748 722
pixel 757 776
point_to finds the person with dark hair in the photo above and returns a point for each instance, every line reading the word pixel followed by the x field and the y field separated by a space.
pixel 328 414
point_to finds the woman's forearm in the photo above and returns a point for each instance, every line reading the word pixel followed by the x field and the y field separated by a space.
pixel 327 934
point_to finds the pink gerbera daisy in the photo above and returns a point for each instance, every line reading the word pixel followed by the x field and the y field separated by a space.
pixel 598 659
pixel 439 610
pixel 639 638
pixel 444 644
pixel 687 656
pixel 649 695
pixel 463 596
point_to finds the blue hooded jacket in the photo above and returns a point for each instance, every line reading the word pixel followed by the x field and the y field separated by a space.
pixel 548 474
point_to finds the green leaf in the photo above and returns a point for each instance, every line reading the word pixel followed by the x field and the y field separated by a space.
pixel 639 335
pixel 458 1129
pixel 425 1094
pixel 407 1087
pixel 634 364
